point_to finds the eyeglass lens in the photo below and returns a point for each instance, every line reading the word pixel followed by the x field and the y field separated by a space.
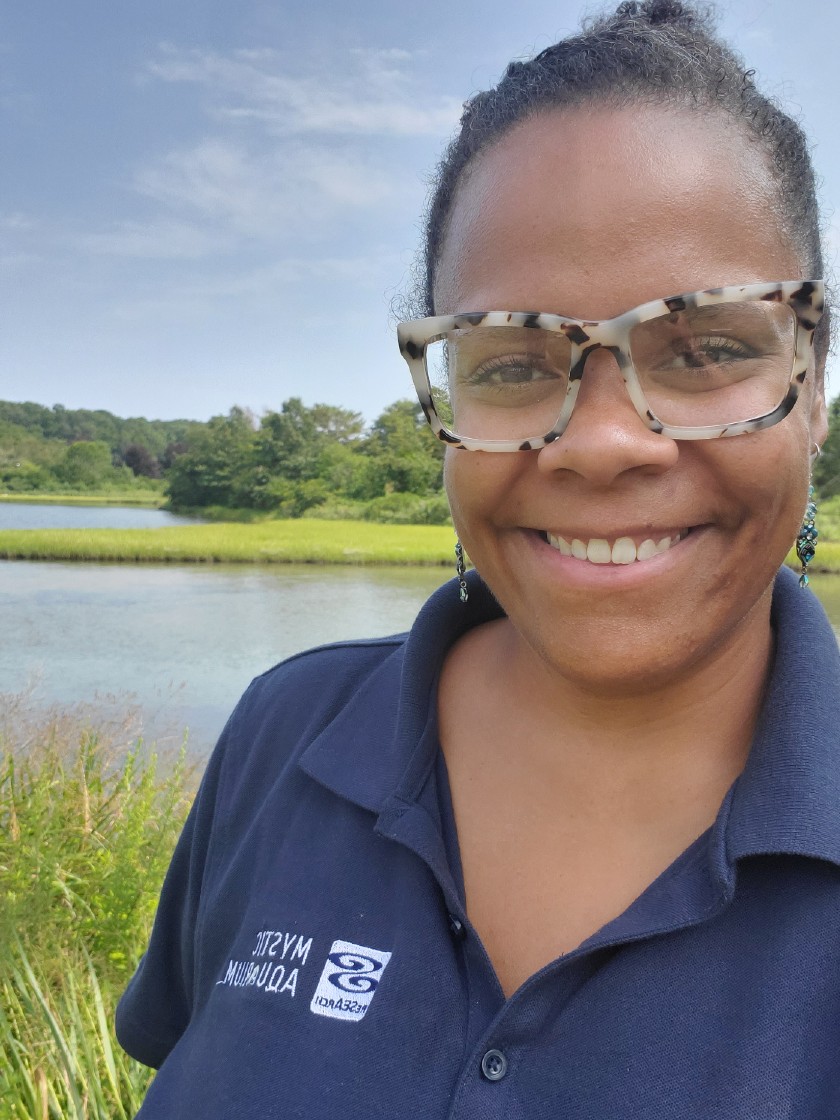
pixel 711 365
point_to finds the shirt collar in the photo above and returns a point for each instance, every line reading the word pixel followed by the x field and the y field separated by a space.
pixel 374 749
pixel 786 801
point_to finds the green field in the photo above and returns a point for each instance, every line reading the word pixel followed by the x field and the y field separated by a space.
pixel 152 499
pixel 301 541
pixel 269 542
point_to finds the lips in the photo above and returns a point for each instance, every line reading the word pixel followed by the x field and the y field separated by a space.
pixel 621 550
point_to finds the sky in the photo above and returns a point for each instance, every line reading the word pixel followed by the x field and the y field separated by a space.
pixel 207 203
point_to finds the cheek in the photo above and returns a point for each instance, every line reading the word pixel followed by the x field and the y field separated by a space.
pixel 768 477
pixel 480 486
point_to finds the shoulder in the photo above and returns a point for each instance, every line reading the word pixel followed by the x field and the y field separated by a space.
pixel 313 686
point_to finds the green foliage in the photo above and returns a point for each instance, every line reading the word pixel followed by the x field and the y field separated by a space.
pixel 36 445
pixel 86 832
pixel 66 425
pixel 289 463
pixel 827 466
pixel 59 1058
pixel 218 468
pixel 85 465
pixel 303 458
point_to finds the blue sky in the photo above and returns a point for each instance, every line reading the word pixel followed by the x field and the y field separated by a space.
pixel 206 204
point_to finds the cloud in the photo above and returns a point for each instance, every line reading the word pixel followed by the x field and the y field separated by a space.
pixel 163 240
pixel 365 92
pixel 17 222
pixel 265 191
pixel 263 288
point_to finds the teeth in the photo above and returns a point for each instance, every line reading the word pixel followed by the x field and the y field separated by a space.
pixel 646 549
pixel 623 551
pixel 598 550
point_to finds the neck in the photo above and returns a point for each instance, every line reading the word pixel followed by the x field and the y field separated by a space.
pixel 633 752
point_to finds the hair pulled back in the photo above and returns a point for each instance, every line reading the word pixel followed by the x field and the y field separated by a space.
pixel 660 52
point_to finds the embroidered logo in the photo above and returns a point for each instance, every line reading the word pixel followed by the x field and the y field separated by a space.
pixel 349 981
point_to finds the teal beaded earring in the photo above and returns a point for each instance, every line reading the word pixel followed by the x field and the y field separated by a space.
pixel 806 541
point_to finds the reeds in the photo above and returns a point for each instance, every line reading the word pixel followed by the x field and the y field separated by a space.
pixel 87 828
pixel 301 541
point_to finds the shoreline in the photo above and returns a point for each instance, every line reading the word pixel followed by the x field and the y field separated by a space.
pixel 145 500
pixel 298 541
pixel 301 541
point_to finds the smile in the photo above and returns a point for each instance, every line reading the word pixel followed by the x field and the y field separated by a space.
pixel 624 550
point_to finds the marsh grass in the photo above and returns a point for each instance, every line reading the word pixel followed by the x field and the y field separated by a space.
pixel 87 828
pixel 152 498
pixel 300 541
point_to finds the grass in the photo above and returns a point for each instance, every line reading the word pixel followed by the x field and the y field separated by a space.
pixel 271 542
pixel 87 828
pixel 301 541
pixel 152 499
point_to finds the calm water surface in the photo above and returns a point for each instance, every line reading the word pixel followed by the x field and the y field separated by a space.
pixel 178 644
pixel 36 515
pixel 182 642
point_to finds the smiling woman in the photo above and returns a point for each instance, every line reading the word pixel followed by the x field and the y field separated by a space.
pixel 571 847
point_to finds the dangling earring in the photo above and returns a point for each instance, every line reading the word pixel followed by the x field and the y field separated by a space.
pixel 460 568
pixel 806 541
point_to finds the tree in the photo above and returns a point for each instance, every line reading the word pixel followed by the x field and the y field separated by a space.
pixel 827 466
pixel 291 442
pixel 86 464
pixel 219 467
pixel 141 461
pixel 408 457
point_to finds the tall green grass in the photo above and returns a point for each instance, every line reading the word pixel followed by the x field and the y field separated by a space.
pixel 87 829
pixel 300 541
pixel 151 498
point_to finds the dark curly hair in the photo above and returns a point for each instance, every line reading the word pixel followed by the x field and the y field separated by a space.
pixel 654 52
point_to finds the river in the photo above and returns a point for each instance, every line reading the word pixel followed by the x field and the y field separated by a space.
pixel 176 644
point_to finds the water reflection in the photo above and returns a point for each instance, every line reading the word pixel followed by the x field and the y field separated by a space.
pixel 182 642
pixel 186 640
pixel 35 515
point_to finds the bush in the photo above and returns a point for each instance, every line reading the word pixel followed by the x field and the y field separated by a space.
pixel 87 828
pixel 408 509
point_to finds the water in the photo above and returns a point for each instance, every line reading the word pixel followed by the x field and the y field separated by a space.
pixel 34 515
pixel 182 642
pixel 178 644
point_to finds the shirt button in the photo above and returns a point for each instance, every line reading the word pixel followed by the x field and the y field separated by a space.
pixel 494 1065
pixel 456 928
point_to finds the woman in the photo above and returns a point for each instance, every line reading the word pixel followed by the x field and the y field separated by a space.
pixel 571 848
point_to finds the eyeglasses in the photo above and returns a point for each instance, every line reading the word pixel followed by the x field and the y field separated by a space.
pixel 702 365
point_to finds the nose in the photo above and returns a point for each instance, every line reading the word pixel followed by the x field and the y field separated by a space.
pixel 605 436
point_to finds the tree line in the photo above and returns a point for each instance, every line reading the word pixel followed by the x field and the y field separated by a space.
pixel 318 458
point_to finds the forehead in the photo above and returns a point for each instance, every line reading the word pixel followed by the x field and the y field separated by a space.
pixel 591 211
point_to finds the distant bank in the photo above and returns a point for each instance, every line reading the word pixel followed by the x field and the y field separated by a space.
pixel 298 541
pixel 301 541
pixel 151 500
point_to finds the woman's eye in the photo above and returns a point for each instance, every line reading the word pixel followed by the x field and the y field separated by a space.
pixel 699 352
pixel 514 371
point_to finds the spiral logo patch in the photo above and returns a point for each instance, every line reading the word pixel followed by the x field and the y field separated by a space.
pixel 349 981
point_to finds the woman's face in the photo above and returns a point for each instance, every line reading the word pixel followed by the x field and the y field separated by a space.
pixel 589 213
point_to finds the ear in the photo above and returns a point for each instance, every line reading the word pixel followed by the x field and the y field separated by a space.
pixel 819 415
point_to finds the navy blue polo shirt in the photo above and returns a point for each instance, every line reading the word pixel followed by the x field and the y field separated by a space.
pixel 312 957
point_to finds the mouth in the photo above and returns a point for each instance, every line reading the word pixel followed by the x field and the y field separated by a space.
pixel 620 550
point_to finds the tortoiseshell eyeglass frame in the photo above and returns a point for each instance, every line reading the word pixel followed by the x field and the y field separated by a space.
pixel 806 298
